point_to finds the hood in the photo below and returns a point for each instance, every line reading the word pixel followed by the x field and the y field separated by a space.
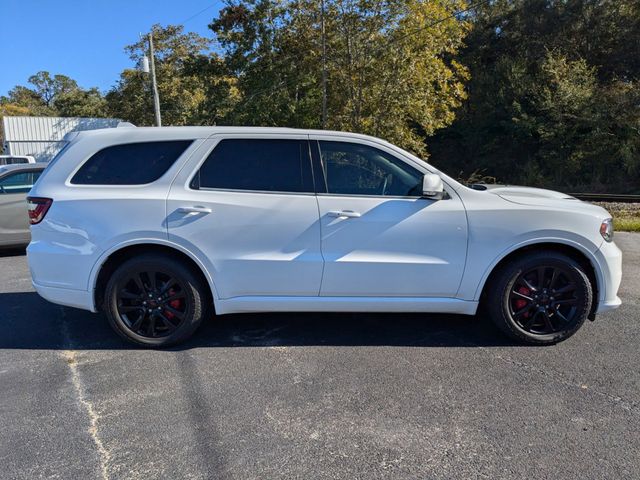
pixel 528 195
pixel 544 198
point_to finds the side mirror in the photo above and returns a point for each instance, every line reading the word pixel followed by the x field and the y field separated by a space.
pixel 432 187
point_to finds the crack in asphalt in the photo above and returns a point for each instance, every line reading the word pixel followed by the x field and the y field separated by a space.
pixel 71 359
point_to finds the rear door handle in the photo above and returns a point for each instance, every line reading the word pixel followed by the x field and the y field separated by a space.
pixel 344 213
pixel 194 210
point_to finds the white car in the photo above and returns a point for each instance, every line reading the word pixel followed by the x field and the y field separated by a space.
pixel 154 226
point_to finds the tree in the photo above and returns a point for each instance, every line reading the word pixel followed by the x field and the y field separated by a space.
pixel 48 88
pixel 81 103
pixel 27 99
pixel 390 73
pixel 269 47
pixel 56 95
pixel 190 82
pixel 552 97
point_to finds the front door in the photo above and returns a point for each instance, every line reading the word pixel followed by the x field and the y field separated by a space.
pixel 251 212
pixel 379 237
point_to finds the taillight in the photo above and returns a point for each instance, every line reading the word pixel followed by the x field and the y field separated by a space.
pixel 38 208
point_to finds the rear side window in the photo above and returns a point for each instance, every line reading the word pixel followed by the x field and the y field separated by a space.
pixel 130 164
pixel 275 165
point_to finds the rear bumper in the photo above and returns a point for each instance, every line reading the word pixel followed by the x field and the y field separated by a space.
pixel 65 296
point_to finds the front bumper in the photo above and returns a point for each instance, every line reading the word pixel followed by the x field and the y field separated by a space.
pixel 609 305
pixel 609 259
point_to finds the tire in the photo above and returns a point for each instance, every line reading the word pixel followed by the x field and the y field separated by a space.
pixel 155 301
pixel 540 299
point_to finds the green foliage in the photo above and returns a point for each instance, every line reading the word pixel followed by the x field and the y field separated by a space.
pixel 553 97
pixel 181 89
pixel 388 72
pixel 56 95
pixel 540 92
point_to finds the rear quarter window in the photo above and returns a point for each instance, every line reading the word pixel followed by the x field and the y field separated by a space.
pixel 130 164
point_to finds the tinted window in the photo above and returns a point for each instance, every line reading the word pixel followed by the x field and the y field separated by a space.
pixel 355 169
pixel 130 164
pixel 20 182
pixel 257 164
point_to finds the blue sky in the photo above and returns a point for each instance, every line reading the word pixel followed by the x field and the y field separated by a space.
pixel 84 39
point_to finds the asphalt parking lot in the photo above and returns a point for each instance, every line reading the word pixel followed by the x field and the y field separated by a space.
pixel 316 396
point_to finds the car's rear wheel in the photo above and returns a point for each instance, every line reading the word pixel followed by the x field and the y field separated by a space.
pixel 155 300
pixel 541 298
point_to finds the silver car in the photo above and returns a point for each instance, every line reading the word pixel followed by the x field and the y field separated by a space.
pixel 15 182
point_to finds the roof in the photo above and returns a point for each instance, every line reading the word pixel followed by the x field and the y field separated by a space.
pixel 22 166
pixel 204 132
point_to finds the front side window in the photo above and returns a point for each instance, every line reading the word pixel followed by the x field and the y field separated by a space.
pixel 131 163
pixel 356 169
pixel 272 165
pixel 19 182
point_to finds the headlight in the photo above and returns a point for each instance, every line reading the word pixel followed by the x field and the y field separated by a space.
pixel 606 229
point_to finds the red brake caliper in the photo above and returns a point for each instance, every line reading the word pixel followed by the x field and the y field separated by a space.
pixel 520 303
pixel 177 304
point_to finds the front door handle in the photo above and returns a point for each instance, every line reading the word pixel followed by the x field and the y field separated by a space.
pixel 194 210
pixel 344 214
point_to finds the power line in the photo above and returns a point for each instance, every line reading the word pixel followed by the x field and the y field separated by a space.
pixel 188 19
pixel 287 83
pixel 197 14
pixel 433 24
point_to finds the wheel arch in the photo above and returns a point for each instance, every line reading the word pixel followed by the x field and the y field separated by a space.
pixel 119 254
pixel 582 256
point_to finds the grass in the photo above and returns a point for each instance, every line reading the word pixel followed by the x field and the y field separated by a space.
pixel 626 216
pixel 627 224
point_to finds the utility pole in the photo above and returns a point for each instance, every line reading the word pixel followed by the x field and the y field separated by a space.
pixel 154 84
pixel 324 67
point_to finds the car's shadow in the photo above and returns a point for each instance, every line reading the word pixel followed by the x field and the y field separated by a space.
pixel 29 322
pixel 12 251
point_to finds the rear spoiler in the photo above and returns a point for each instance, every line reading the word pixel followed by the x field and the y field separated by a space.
pixel 69 137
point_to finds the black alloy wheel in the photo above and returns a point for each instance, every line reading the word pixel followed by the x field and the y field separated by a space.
pixel 156 300
pixel 543 300
pixel 540 298
pixel 152 304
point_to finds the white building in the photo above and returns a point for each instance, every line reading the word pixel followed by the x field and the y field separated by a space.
pixel 42 137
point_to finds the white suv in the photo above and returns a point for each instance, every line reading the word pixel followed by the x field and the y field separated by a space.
pixel 154 226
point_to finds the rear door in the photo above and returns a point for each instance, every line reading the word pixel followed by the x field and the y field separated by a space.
pixel 14 222
pixel 247 206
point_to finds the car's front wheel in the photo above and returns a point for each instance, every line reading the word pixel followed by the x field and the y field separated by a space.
pixel 540 298
pixel 155 300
